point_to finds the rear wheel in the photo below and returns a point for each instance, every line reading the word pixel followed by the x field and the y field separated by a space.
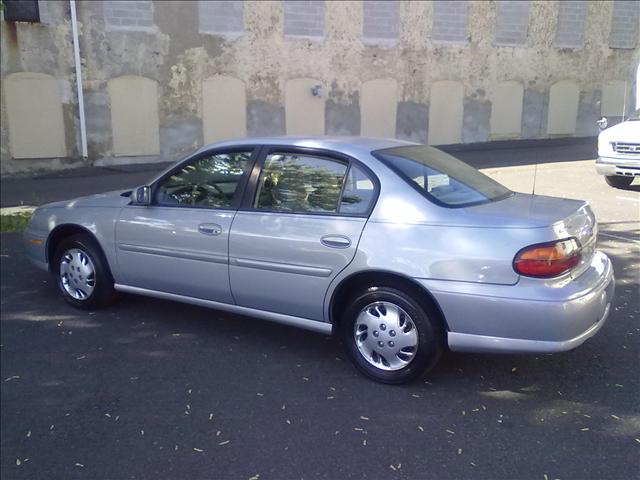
pixel 82 273
pixel 618 181
pixel 389 336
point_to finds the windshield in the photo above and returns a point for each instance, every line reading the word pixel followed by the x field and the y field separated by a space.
pixel 442 178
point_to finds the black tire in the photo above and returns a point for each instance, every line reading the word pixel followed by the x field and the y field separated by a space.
pixel 618 181
pixel 431 339
pixel 103 293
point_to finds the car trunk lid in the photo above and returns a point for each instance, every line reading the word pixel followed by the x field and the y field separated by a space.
pixel 565 217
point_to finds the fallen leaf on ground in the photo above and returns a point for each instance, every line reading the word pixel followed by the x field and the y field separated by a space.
pixel 199 450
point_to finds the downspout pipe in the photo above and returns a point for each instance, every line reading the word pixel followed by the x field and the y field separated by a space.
pixel 76 54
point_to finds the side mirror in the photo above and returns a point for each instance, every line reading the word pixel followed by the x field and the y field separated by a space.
pixel 602 123
pixel 143 195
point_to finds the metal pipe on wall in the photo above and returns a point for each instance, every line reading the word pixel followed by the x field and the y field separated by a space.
pixel 76 54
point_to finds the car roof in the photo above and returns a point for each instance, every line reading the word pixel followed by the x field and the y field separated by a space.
pixel 347 145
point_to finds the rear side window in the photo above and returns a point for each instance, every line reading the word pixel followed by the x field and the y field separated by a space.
pixel 291 182
pixel 442 178
pixel 358 192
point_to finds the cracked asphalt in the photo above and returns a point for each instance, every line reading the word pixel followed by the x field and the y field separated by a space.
pixel 151 389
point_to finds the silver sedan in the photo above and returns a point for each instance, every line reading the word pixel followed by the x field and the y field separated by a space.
pixel 398 248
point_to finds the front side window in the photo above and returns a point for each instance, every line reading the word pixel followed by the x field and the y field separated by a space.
pixel 211 181
pixel 291 182
pixel 441 177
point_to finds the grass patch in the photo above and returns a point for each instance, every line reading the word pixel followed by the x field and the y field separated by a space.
pixel 14 223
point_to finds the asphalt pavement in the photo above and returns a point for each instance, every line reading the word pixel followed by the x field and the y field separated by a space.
pixel 151 389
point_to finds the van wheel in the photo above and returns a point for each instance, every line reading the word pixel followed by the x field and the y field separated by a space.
pixel 389 336
pixel 83 275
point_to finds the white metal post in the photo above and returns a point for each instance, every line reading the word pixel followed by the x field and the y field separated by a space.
pixel 76 53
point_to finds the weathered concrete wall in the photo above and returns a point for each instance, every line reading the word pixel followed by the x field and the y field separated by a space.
pixel 182 52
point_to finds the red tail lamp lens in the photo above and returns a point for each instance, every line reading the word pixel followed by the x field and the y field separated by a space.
pixel 546 260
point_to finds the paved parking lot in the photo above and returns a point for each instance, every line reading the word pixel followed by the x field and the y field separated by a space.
pixel 154 389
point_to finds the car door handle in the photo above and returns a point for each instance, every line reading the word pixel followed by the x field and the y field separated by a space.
pixel 335 241
pixel 210 228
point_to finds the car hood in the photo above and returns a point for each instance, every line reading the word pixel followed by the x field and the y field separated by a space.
pixel 522 210
pixel 108 199
pixel 628 131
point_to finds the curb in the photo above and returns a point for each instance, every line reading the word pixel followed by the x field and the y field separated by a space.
pixel 16 210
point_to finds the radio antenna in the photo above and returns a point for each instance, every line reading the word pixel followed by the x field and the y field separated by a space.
pixel 535 176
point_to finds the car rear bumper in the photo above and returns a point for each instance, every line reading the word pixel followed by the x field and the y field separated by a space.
pixel 528 318
pixel 610 166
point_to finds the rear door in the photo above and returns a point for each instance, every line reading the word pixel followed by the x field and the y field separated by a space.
pixel 180 243
pixel 299 226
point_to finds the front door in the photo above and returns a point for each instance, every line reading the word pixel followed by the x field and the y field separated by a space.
pixel 179 243
pixel 299 229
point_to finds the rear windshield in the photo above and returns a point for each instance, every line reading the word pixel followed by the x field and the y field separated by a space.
pixel 442 178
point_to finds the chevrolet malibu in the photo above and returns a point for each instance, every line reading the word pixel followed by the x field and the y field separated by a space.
pixel 398 248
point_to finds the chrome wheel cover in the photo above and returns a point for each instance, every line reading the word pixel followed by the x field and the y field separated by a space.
pixel 77 274
pixel 386 336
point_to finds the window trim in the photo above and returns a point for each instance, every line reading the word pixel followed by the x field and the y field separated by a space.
pixel 379 155
pixel 242 184
pixel 251 189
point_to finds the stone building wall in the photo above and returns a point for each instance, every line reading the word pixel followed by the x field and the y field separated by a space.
pixel 161 78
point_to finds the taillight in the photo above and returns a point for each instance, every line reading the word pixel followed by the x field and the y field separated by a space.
pixel 546 260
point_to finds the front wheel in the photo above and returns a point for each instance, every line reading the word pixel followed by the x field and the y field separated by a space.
pixel 389 336
pixel 83 274
pixel 618 181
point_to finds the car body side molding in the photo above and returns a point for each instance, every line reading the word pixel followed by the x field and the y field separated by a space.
pixel 281 267
pixel 174 252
